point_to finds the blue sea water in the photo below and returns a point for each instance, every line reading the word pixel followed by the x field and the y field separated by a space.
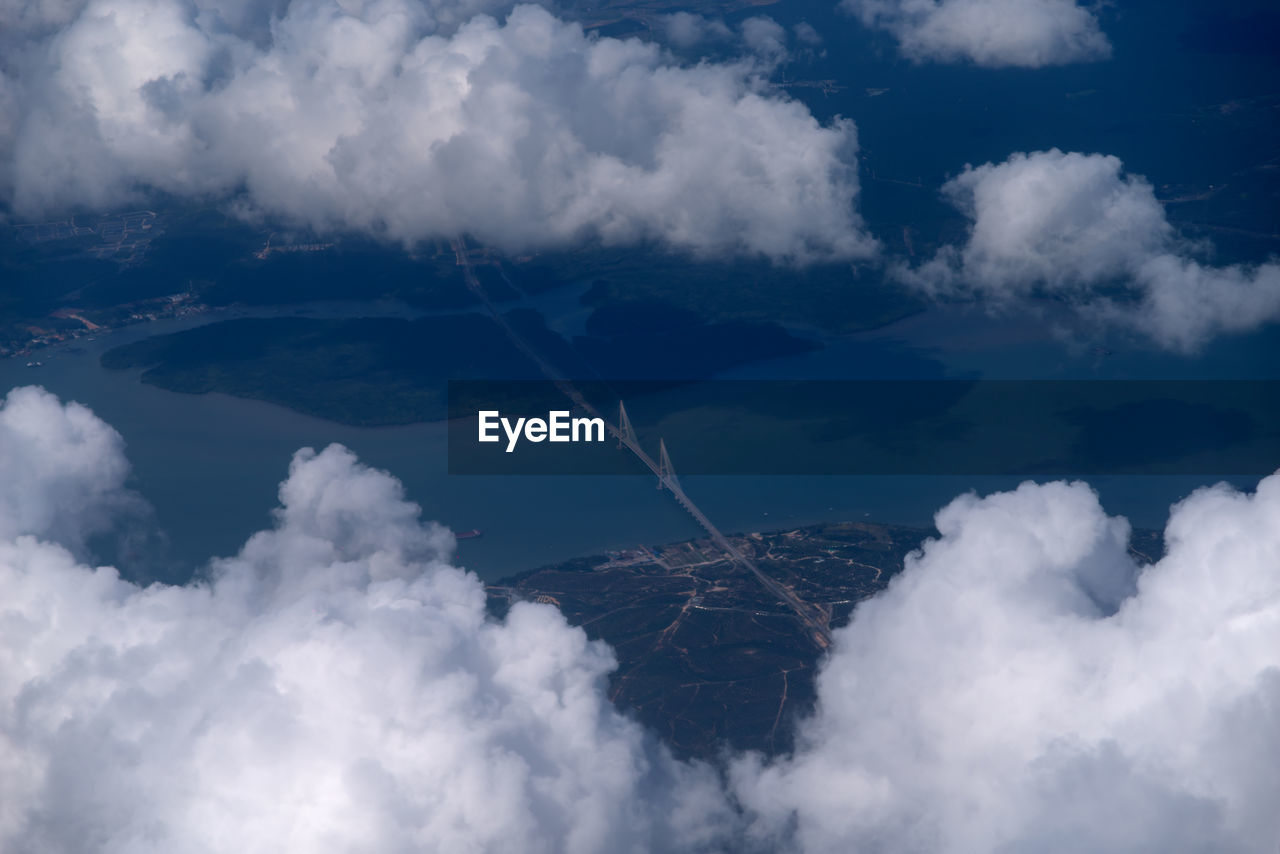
pixel 210 464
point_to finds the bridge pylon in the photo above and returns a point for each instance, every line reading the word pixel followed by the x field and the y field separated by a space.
pixel 666 471
pixel 626 433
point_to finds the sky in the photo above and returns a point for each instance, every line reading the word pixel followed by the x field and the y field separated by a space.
pixel 336 685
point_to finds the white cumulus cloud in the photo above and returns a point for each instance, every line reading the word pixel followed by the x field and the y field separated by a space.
pixel 63 469
pixel 1024 686
pixel 685 29
pixel 765 37
pixel 336 686
pixel 409 121
pixel 992 33
pixel 1077 225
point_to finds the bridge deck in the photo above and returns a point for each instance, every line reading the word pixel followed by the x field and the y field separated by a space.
pixel 809 615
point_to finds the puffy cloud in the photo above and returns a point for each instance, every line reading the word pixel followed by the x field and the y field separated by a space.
pixel 1076 225
pixel 1185 302
pixel 1068 220
pixel 807 34
pixel 759 36
pixel 63 469
pixel 412 120
pixel 993 33
pixel 765 37
pixel 1024 686
pixel 336 686
pixel 685 29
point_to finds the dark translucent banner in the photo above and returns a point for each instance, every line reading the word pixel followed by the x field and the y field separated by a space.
pixel 933 427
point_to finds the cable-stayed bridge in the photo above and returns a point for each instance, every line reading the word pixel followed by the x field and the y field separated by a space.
pixel 812 617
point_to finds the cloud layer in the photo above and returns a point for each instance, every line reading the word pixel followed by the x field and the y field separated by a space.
pixel 1027 33
pixel 1076 225
pixel 412 120
pixel 1023 685
pixel 336 686
pixel 991 33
